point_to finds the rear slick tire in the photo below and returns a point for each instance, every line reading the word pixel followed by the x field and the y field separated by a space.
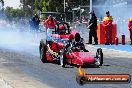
pixel 99 55
pixel 42 50
pixel 62 61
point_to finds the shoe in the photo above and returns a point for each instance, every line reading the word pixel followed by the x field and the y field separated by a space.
pixel 131 44
pixel 107 44
pixel 88 43
pixel 95 44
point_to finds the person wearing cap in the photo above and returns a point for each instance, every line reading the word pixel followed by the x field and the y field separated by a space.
pixel 93 28
pixel 50 24
pixel 35 22
pixel 130 28
pixel 62 30
pixel 107 23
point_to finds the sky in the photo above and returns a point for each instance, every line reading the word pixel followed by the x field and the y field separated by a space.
pixel 12 3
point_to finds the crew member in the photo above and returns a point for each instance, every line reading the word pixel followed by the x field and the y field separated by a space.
pixel 31 27
pixel 36 22
pixel 62 30
pixel 93 28
pixel 130 28
pixel 50 24
pixel 107 23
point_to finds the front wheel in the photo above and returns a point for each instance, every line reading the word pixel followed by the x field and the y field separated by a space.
pixel 62 60
pixel 81 80
pixel 99 57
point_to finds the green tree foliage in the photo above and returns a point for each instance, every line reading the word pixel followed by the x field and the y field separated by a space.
pixel 27 3
pixel 29 7
pixel 2 1
pixel 44 5
pixel 51 5
pixel 14 13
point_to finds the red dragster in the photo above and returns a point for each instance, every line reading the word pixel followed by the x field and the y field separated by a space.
pixel 62 50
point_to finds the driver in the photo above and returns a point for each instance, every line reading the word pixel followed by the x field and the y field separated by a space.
pixel 78 43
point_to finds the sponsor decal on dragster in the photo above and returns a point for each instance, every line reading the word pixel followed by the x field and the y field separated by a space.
pixel 82 54
pixel 51 51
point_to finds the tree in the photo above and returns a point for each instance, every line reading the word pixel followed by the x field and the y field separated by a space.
pixel 14 13
pixel 48 5
pixel 2 2
pixel 1 9
pixel 32 6
pixel 8 12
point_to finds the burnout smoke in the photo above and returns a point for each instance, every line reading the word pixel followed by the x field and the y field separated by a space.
pixel 15 39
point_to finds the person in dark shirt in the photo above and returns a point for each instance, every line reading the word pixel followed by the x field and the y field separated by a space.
pixel 31 24
pixel 93 28
pixel 36 22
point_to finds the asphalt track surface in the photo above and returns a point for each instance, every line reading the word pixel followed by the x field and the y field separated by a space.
pixel 27 61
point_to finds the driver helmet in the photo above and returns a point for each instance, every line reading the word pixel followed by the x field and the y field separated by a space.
pixel 77 37
pixel 62 29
